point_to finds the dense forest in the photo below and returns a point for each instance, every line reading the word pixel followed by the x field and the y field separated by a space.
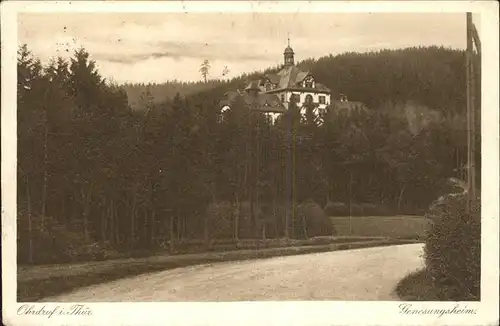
pixel 431 76
pixel 96 177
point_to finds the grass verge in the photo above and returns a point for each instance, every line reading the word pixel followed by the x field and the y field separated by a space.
pixel 66 279
pixel 417 286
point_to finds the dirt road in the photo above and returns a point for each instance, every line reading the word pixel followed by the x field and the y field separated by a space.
pixel 362 274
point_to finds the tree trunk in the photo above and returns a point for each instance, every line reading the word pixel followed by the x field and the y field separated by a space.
pixel 104 221
pixel 257 176
pixel 111 222
pixel 116 224
pixel 304 225
pixel 178 225
pixel 250 176
pixel 172 236
pixel 275 219
pixel 145 228
pixel 152 226
pixel 288 182
pixel 45 174
pixel 400 199
pixel 132 221
pixel 86 211
pixel 236 219
pixel 63 211
pixel 30 231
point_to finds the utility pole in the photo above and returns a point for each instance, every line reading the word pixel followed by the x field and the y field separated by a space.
pixel 471 108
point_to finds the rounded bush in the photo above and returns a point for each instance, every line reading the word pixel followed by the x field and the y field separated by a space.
pixel 317 222
pixel 453 248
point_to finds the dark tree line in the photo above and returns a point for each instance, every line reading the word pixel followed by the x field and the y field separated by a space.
pixel 141 96
pixel 96 177
pixel 431 76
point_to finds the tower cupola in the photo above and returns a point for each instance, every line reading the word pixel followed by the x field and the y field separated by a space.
pixel 289 55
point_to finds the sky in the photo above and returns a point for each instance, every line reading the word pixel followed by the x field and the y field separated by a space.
pixel 147 47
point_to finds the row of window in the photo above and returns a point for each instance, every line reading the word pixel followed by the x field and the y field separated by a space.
pixel 309 98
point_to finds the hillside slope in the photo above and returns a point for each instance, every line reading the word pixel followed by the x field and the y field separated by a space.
pixel 431 76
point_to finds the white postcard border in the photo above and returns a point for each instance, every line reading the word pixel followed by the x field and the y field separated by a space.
pixel 260 313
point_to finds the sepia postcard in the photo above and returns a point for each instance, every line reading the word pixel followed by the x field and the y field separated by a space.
pixel 250 163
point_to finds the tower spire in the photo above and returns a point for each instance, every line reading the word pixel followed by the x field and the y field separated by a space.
pixel 288 54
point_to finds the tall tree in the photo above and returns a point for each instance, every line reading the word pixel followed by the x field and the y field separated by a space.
pixel 204 70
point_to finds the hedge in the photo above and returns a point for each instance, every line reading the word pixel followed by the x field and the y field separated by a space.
pixel 453 248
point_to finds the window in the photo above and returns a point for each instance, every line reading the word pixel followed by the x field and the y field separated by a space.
pixel 309 82
pixel 309 99
pixel 322 99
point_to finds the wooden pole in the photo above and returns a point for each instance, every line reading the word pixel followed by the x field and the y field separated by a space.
pixel 471 125
pixel 473 109
pixel 468 101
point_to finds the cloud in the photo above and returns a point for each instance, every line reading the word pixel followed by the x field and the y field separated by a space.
pixel 178 50
pixel 150 46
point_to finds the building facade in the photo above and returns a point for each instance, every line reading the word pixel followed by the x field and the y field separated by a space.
pixel 272 93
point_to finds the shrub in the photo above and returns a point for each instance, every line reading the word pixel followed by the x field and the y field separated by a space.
pixel 453 248
pixel 53 242
pixel 317 223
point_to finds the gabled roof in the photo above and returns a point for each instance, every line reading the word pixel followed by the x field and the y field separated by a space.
pixel 259 102
pixel 290 77
pixel 287 77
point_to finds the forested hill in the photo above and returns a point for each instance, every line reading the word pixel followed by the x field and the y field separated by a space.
pixel 141 95
pixel 431 76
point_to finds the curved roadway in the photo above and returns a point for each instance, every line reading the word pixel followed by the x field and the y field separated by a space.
pixel 362 274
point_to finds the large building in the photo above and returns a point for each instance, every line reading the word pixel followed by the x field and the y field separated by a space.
pixel 272 93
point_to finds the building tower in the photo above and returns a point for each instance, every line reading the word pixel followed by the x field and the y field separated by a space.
pixel 288 54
